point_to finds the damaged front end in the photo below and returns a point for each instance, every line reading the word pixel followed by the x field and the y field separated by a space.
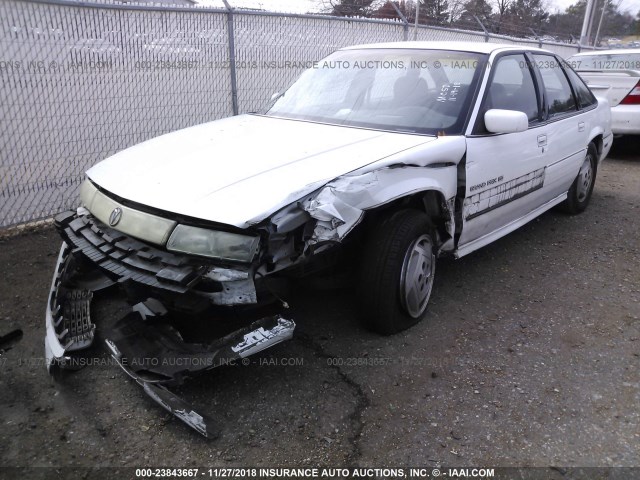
pixel 162 286
pixel 174 268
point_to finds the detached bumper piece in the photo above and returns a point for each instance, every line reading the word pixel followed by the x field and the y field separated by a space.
pixel 154 354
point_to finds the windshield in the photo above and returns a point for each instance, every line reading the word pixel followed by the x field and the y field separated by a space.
pixel 416 91
pixel 610 61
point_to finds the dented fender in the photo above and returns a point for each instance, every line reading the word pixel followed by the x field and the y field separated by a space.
pixel 340 205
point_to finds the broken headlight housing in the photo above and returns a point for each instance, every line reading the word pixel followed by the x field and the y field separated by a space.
pixel 213 243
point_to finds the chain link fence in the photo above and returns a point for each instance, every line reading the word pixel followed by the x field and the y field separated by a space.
pixel 79 82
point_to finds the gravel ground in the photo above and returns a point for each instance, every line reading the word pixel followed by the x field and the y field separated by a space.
pixel 529 358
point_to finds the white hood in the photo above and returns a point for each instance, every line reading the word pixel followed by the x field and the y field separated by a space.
pixel 241 169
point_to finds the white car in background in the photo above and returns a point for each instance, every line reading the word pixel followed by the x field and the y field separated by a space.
pixel 614 75
pixel 380 158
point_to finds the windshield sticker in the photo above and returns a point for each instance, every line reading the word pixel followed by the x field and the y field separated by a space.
pixel 449 92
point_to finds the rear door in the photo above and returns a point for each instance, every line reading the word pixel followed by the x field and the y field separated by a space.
pixel 566 126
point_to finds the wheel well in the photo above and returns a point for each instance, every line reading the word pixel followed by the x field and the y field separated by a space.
pixel 598 141
pixel 432 202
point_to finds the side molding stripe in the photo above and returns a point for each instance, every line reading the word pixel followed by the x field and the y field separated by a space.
pixel 492 198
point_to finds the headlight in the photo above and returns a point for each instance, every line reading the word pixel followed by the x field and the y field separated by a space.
pixel 213 243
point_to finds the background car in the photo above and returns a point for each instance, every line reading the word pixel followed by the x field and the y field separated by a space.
pixel 614 75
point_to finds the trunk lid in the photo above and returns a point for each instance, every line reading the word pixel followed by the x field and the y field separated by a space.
pixel 614 85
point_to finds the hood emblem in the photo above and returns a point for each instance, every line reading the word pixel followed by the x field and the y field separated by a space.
pixel 115 216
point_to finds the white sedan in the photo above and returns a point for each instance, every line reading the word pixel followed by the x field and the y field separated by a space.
pixel 380 158
pixel 614 75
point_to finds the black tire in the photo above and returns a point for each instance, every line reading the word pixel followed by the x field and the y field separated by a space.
pixel 582 187
pixel 394 264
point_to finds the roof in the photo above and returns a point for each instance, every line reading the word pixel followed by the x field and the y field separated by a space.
pixel 616 51
pixel 476 47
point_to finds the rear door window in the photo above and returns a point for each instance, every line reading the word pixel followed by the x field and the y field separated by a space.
pixel 585 97
pixel 559 96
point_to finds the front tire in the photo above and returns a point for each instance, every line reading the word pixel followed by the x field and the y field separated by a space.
pixel 397 272
pixel 582 187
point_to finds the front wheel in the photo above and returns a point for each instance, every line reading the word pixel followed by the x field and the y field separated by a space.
pixel 397 272
pixel 582 187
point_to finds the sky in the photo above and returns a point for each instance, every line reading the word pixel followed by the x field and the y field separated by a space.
pixel 303 6
pixel 632 6
pixel 289 6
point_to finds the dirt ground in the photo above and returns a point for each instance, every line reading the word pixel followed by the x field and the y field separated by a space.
pixel 529 357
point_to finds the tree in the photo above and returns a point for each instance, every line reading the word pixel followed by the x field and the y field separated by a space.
pixel 569 22
pixel 349 8
pixel 523 15
pixel 456 9
pixel 388 11
pixel 502 7
pixel 615 23
pixel 436 11
pixel 471 10
pixel 432 12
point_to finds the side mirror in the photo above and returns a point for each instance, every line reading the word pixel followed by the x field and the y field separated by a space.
pixel 505 121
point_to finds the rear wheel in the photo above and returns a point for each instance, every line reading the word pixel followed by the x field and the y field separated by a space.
pixel 397 272
pixel 582 187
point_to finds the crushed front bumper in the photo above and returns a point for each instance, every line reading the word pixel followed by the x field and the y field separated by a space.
pixel 187 279
pixel 67 319
pixel 156 357
pixel 144 343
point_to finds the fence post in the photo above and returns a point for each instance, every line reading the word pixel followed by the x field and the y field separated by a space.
pixel 486 34
pixel 537 37
pixel 404 21
pixel 232 58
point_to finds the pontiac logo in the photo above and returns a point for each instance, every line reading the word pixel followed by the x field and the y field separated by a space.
pixel 115 216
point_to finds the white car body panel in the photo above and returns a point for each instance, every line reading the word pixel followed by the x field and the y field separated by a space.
pixel 564 152
pixel 340 205
pixel 508 228
pixel 433 166
pixel 212 172
pixel 492 167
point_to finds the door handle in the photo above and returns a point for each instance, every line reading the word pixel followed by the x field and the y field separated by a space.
pixel 542 140
pixel 581 127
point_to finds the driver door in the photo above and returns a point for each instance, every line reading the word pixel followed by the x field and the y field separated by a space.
pixel 505 173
